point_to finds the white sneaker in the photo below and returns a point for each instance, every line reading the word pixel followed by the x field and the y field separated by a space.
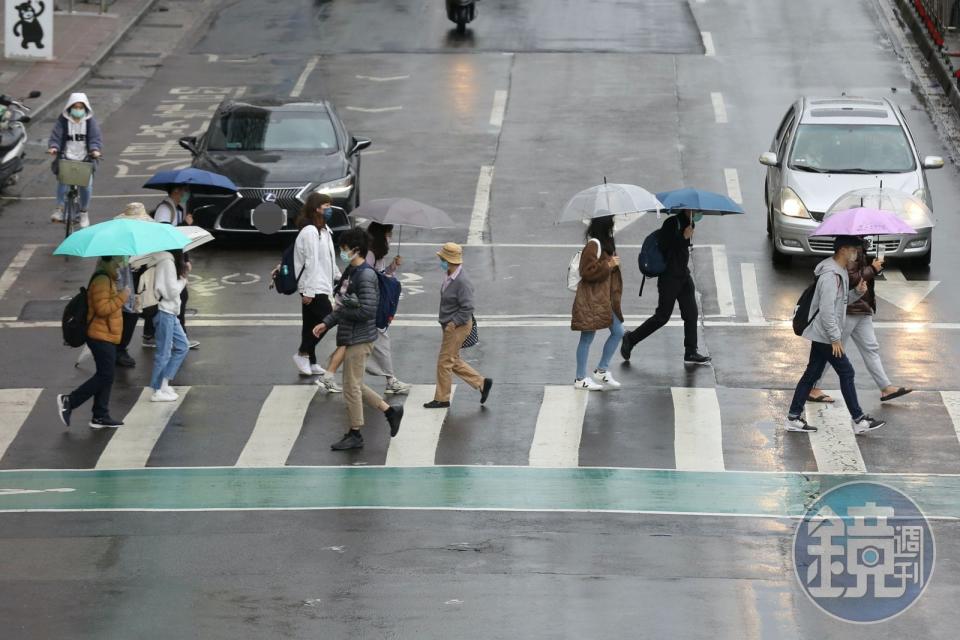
pixel 397 388
pixel 164 396
pixel 168 390
pixel 57 215
pixel 317 370
pixel 303 364
pixel 587 384
pixel 865 424
pixel 606 378
pixel 84 220
pixel 328 384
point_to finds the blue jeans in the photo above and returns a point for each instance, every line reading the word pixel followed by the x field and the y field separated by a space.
pixel 609 347
pixel 821 354
pixel 85 194
pixel 172 347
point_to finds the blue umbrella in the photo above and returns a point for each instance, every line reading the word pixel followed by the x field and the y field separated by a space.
pixel 206 181
pixel 122 238
pixel 706 202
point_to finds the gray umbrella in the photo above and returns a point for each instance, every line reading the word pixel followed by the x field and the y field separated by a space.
pixel 403 212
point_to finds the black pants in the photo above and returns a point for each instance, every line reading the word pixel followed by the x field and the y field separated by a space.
pixel 313 314
pixel 148 330
pixel 671 291
pixel 129 326
pixel 99 385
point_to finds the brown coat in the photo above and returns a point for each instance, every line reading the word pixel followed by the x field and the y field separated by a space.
pixel 599 292
pixel 863 270
pixel 104 309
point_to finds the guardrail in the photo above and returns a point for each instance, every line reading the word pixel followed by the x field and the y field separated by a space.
pixel 935 14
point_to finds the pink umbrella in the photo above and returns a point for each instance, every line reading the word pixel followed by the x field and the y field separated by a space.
pixel 863 222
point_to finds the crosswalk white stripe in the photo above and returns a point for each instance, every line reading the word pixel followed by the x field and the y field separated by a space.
pixel 834 444
pixel 721 276
pixel 556 437
pixel 951 400
pixel 15 406
pixel 278 426
pixel 719 108
pixel 698 438
pixel 751 292
pixel 416 444
pixel 131 445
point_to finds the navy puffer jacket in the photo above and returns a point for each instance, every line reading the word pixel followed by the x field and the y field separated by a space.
pixel 356 317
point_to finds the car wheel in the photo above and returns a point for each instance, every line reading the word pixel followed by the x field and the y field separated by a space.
pixel 779 259
pixel 924 260
pixel 769 225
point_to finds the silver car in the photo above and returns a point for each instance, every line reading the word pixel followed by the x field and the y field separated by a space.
pixel 826 147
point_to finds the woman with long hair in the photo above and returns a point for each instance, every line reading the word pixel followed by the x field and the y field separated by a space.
pixel 172 345
pixel 597 303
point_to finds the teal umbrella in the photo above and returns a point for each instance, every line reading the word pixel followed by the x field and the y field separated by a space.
pixel 122 238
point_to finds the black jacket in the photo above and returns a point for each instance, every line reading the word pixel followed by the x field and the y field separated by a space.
pixel 356 317
pixel 675 248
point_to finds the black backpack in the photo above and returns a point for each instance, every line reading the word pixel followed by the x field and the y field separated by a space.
pixel 74 323
pixel 801 312
pixel 283 280
pixel 651 260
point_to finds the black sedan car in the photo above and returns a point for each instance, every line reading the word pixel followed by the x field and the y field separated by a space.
pixel 275 151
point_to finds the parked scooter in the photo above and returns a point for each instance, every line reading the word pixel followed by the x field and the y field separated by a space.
pixel 13 137
pixel 461 12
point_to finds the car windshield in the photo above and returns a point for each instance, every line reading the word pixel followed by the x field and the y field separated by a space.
pixel 844 148
pixel 265 130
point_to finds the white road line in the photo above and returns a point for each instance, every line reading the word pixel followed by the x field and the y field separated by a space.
pixel 556 438
pixel 15 406
pixel 278 426
pixel 719 108
pixel 708 49
pixel 93 197
pixel 302 80
pixel 951 400
pixel 751 292
pixel 732 178
pixel 721 275
pixel 416 443
pixel 382 78
pixel 522 245
pixel 12 272
pixel 481 206
pixel 213 57
pixel 698 437
pixel 374 109
pixel 499 108
pixel 834 445
pixel 894 275
pixel 131 445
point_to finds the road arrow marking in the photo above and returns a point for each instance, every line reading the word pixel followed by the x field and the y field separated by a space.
pixel 374 110
pixel 20 492
pixel 903 293
pixel 382 79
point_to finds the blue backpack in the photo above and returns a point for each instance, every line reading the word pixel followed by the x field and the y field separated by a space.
pixel 651 260
pixel 389 298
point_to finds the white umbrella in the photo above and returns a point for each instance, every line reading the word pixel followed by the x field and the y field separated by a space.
pixel 627 202
pixel 908 208
pixel 198 237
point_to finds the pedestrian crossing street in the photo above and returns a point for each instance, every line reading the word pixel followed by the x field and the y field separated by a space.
pixel 695 429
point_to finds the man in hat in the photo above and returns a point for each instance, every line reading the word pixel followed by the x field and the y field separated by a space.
pixel 128 280
pixel 828 312
pixel 456 318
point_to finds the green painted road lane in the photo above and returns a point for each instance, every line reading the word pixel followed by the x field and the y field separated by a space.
pixel 464 488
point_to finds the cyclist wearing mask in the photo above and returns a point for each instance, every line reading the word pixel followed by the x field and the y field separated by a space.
pixel 75 136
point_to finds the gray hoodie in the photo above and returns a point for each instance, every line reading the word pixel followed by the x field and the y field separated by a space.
pixel 831 298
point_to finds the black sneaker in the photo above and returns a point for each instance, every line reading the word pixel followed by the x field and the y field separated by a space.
pixel 485 391
pixel 394 416
pixel 436 404
pixel 625 348
pixel 696 358
pixel 866 423
pixel 64 409
pixel 105 422
pixel 799 424
pixel 125 360
pixel 351 440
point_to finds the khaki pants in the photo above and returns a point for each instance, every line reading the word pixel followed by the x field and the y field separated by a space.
pixel 449 362
pixel 355 393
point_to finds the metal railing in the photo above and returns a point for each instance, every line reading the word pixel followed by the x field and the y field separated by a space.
pixel 935 15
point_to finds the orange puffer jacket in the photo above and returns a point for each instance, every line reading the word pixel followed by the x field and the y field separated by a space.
pixel 104 309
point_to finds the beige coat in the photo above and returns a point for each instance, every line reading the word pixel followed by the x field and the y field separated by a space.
pixel 599 292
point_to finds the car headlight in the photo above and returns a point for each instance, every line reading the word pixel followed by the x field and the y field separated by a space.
pixel 921 194
pixel 340 187
pixel 791 204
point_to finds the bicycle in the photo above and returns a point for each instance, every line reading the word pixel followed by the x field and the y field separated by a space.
pixel 75 174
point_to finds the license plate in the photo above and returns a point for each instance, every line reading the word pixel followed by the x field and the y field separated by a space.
pixel 253 224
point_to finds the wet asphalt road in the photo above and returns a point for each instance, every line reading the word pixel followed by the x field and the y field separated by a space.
pixel 621 90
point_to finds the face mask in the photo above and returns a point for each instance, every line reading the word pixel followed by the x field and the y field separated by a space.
pixel 78 113
pixel 444 265
pixel 327 214
pixel 697 217
pixel 345 255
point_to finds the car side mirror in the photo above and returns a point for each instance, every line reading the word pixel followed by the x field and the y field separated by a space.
pixel 190 144
pixel 359 144
pixel 933 162
pixel 769 159
pixel 339 221
pixel 34 94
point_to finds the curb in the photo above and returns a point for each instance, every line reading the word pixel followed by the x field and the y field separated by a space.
pixel 931 52
pixel 88 67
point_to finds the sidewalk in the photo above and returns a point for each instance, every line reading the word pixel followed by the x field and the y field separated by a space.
pixel 81 41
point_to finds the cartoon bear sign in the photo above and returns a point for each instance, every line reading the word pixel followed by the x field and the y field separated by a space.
pixel 29 29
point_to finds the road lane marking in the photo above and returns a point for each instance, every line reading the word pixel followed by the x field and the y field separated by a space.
pixel 302 80
pixel 12 272
pixel 721 275
pixel 278 426
pixel 374 109
pixel 416 443
pixel 951 400
pixel 93 197
pixel 708 49
pixel 834 444
pixel 559 428
pixel 15 406
pixel 382 78
pixel 698 436
pixel 131 445
pixel 719 108
pixel 906 294
pixel 213 57
pixel 751 291
pixel 481 206
pixel 732 178
pixel 499 108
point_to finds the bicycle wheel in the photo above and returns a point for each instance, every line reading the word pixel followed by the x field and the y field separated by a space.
pixel 71 208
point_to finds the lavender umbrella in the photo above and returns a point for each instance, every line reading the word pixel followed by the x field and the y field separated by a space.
pixel 863 222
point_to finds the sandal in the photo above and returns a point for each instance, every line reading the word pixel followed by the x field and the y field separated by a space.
pixel 902 391
pixel 823 398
